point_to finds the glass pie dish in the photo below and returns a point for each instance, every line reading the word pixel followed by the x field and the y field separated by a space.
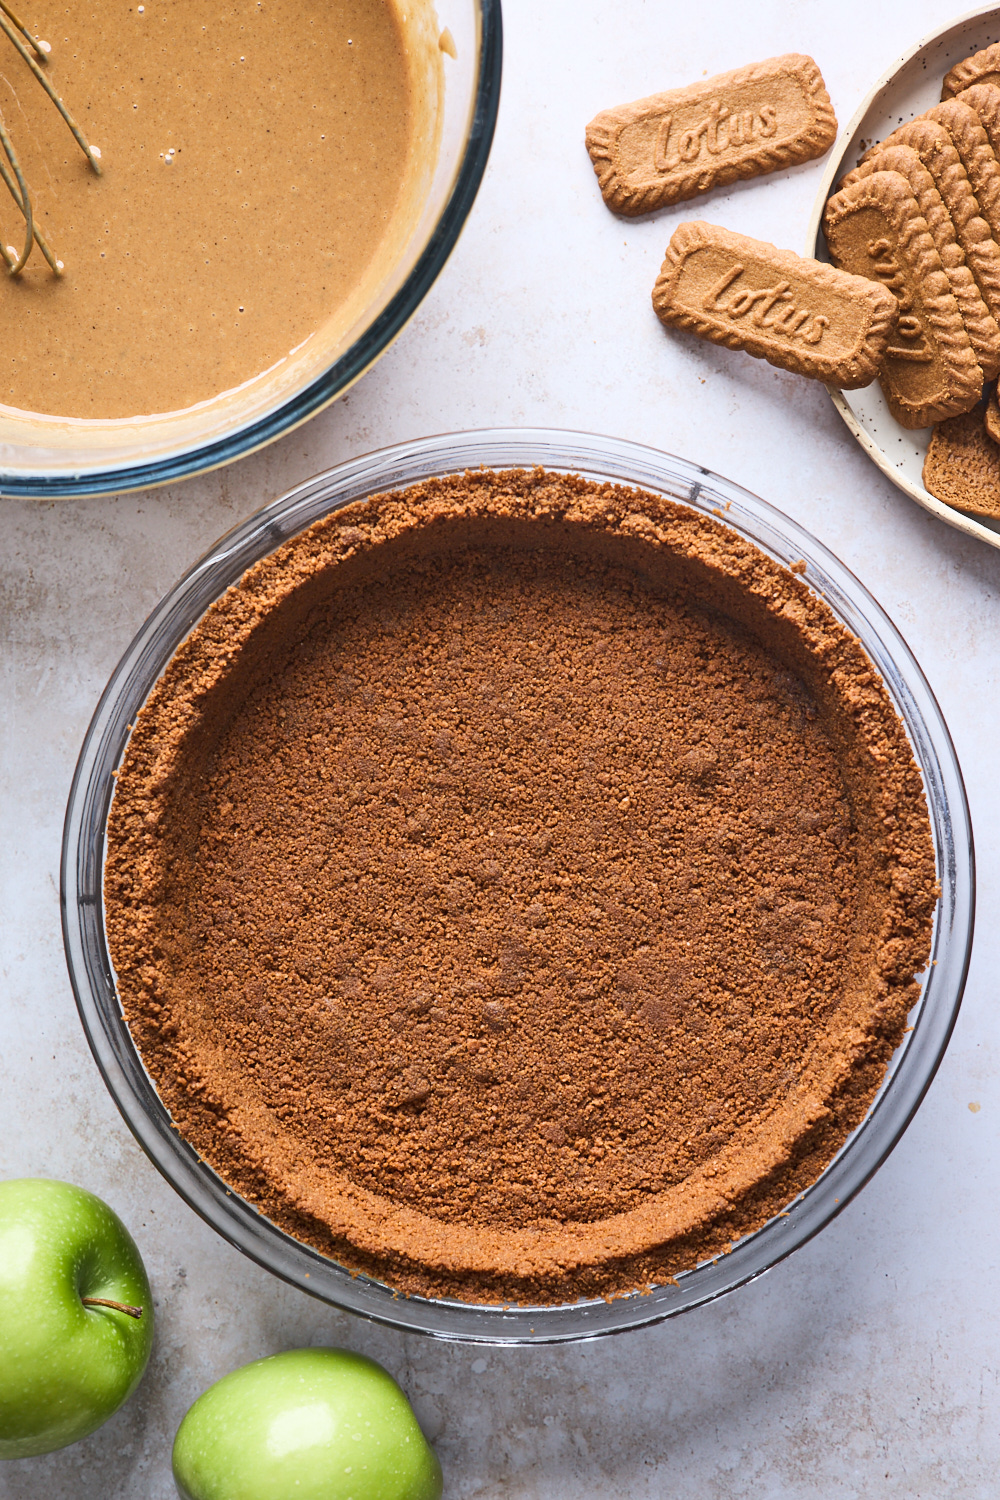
pixel 603 459
pixel 49 457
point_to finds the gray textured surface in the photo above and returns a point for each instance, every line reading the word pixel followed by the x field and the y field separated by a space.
pixel 867 1366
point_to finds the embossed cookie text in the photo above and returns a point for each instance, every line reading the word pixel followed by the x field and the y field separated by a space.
pixel 910 342
pixel 774 307
pixel 720 131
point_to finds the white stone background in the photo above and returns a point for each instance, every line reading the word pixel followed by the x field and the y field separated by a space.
pixel 867 1365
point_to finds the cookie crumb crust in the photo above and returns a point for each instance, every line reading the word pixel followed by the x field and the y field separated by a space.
pixel 516 887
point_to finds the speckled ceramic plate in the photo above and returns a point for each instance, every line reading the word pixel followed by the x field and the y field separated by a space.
pixel 911 85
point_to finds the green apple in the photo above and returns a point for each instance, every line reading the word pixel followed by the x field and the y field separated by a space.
pixel 76 1315
pixel 316 1424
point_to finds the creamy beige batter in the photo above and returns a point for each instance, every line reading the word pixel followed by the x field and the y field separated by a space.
pixel 255 156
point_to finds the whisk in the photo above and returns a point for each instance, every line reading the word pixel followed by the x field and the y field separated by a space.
pixel 10 169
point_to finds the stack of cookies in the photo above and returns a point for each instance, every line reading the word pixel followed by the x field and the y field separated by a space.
pixel 913 295
pixel 921 215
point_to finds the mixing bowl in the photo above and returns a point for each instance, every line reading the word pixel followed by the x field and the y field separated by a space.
pixel 48 457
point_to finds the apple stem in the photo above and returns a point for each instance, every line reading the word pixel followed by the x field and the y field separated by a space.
pixel 125 1307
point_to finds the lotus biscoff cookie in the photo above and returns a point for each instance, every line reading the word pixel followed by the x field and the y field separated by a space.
pixel 936 149
pixel 991 421
pixel 982 67
pixel 978 157
pixel 980 324
pixel 984 98
pixel 874 228
pixel 962 466
pixel 974 151
pixel 797 314
pixel 672 146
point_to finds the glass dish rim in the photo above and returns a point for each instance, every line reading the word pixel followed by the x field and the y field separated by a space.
pixel 911 1069
pixel 354 362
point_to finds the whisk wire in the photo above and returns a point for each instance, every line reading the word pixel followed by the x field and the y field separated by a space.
pixel 78 135
pixel 24 204
pixel 12 187
pixel 10 169
pixel 41 48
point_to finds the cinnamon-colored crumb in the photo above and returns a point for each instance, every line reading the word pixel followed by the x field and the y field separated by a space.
pixel 962 466
pixel 516 887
